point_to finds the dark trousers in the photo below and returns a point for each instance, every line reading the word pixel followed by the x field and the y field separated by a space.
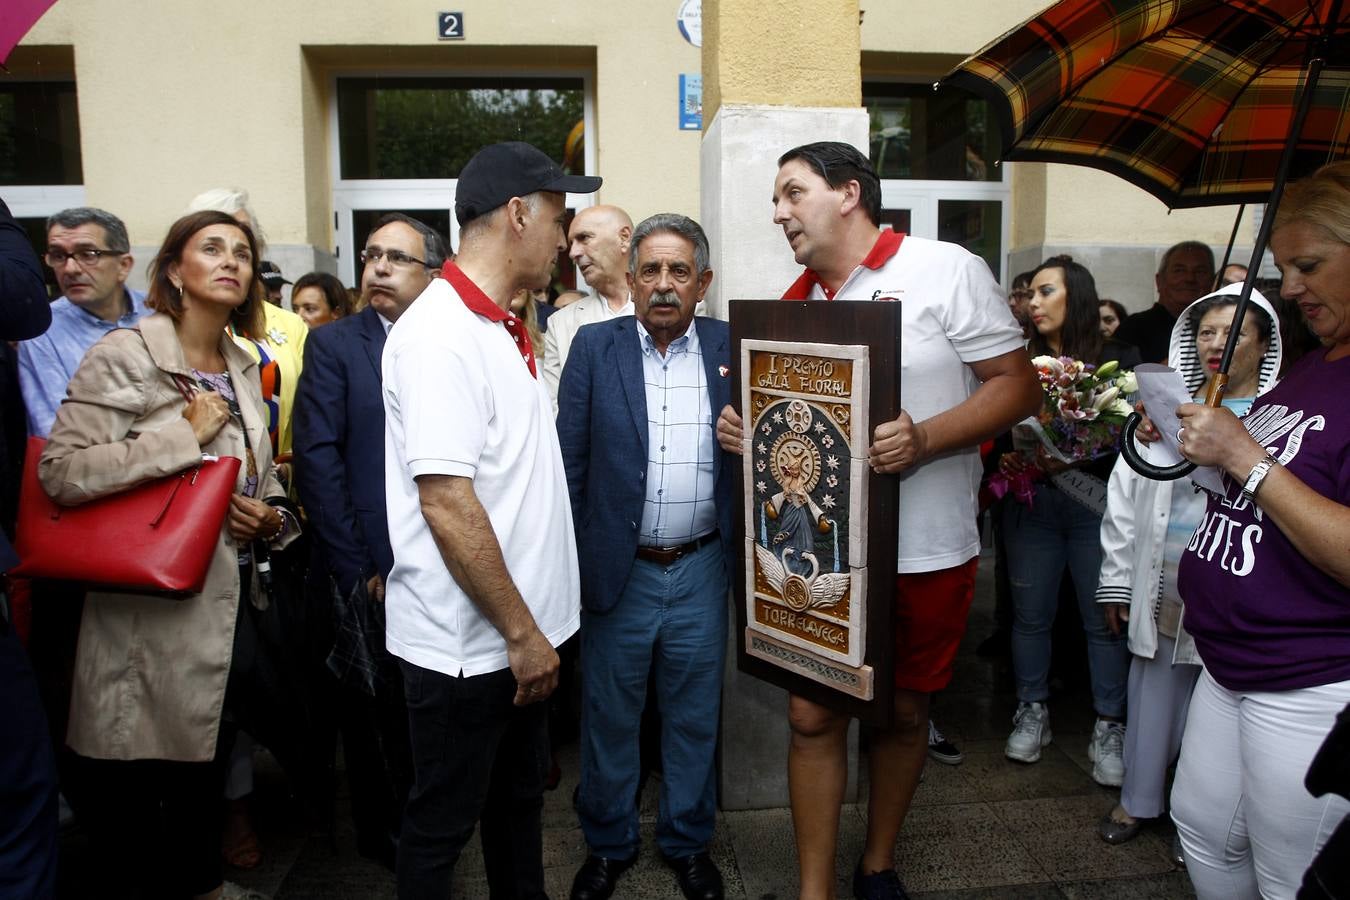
pixel 477 758
pixel 154 825
pixel 27 779
pixel 57 608
pixel 378 762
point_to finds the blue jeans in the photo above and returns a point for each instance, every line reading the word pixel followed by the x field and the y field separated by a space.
pixel 1056 532
pixel 670 621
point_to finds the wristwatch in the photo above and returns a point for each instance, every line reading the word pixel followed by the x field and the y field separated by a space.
pixel 1256 476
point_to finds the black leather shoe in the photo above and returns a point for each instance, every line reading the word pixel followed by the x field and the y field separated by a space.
pixel 595 879
pixel 699 878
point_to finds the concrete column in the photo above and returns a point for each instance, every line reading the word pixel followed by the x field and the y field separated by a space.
pixel 776 73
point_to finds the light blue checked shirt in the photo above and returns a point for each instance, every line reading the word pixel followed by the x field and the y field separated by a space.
pixel 47 363
pixel 679 507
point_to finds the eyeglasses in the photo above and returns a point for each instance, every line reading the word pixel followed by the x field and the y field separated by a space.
pixel 86 257
pixel 395 257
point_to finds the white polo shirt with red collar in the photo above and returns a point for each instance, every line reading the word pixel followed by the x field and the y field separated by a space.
pixel 461 398
pixel 952 313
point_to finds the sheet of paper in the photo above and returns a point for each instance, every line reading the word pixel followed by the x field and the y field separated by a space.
pixel 1162 390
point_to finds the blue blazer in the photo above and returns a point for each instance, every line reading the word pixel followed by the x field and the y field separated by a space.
pixel 602 428
pixel 338 427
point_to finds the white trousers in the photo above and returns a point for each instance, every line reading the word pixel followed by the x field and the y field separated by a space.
pixel 1248 826
pixel 1159 697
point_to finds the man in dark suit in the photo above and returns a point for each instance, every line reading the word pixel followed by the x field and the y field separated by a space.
pixel 339 451
pixel 1184 276
pixel 27 767
pixel 651 504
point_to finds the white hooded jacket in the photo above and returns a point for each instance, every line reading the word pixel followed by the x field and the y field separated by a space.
pixel 1134 528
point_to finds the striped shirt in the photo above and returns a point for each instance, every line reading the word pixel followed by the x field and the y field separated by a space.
pixel 679 505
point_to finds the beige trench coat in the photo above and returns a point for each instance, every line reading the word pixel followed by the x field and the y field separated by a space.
pixel 150 671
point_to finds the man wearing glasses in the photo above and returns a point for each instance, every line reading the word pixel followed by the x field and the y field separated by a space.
pixel 88 250
pixel 339 446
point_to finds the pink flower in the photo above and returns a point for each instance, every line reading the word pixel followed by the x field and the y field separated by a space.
pixel 1068 408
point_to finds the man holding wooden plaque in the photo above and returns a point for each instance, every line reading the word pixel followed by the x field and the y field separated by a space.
pixel 965 378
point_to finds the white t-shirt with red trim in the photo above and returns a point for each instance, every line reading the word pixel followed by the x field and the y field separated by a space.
pixel 952 313
pixel 461 400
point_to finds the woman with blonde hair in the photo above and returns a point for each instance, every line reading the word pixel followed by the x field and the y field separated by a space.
pixel 1266 582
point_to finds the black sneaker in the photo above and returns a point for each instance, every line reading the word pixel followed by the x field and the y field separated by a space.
pixel 878 886
pixel 941 749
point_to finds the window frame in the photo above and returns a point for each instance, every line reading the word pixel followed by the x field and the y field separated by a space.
pixel 350 195
pixel 40 201
pixel 922 196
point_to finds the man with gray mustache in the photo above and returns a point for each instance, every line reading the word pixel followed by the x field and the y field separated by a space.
pixel 651 503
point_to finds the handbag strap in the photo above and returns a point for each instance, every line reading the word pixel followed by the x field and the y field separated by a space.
pixel 189 388
pixel 173 492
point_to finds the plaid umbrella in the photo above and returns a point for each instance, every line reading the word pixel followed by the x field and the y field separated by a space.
pixel 1191 100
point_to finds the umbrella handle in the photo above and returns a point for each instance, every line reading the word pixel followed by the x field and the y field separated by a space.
pixel 1214 397
pixel 1137 462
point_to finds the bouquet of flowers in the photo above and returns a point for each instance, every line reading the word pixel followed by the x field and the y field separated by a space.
pixel 1084 408
pixel 1081 417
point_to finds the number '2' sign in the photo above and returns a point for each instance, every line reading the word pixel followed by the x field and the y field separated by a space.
pixel 450 26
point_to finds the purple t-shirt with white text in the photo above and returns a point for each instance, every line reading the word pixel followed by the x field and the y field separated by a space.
pixel 1263 617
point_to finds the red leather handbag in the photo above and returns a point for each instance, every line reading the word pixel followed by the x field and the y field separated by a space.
pixel 157 537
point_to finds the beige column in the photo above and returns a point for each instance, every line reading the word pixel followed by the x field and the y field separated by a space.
pixel 776 74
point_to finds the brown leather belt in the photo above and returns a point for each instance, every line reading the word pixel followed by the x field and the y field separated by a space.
pixel 667 555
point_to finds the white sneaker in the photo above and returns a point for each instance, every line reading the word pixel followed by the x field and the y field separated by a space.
pixel 1031 732
pixel 1107 752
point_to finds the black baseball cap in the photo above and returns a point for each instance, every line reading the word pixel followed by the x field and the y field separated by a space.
pixel 270 273
pixel 499 172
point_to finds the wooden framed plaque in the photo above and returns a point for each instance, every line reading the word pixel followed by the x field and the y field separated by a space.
pixel 816 587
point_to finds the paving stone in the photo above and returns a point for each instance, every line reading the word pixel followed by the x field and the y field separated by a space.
pixel 1061 835
pixel 1004 892
pixel 988 828
pixel 987 775
pixel 766 852
pixel 1167 886
pixel 960 846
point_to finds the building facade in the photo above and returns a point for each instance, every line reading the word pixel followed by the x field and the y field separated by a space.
pixel 332 115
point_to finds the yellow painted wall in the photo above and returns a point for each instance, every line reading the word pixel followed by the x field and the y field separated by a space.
pixel 1082 201
pixel 1051 204
pixel 958 26
pixel 780 53
pixel 177 97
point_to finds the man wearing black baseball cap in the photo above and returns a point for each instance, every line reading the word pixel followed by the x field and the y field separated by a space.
pixel 484 585
pixel 499 172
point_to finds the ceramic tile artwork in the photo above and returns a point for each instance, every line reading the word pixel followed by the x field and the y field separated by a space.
pixel 806 501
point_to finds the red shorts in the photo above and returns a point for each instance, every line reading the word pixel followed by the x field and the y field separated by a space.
pixel 930 620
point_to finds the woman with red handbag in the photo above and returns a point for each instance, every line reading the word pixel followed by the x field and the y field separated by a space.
pixel 150 698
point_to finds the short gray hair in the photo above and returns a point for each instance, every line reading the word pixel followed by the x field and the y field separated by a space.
pixel 671 223
pixel 479 224
pixel 229 200
pixel 1187 247
pixel 76 216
